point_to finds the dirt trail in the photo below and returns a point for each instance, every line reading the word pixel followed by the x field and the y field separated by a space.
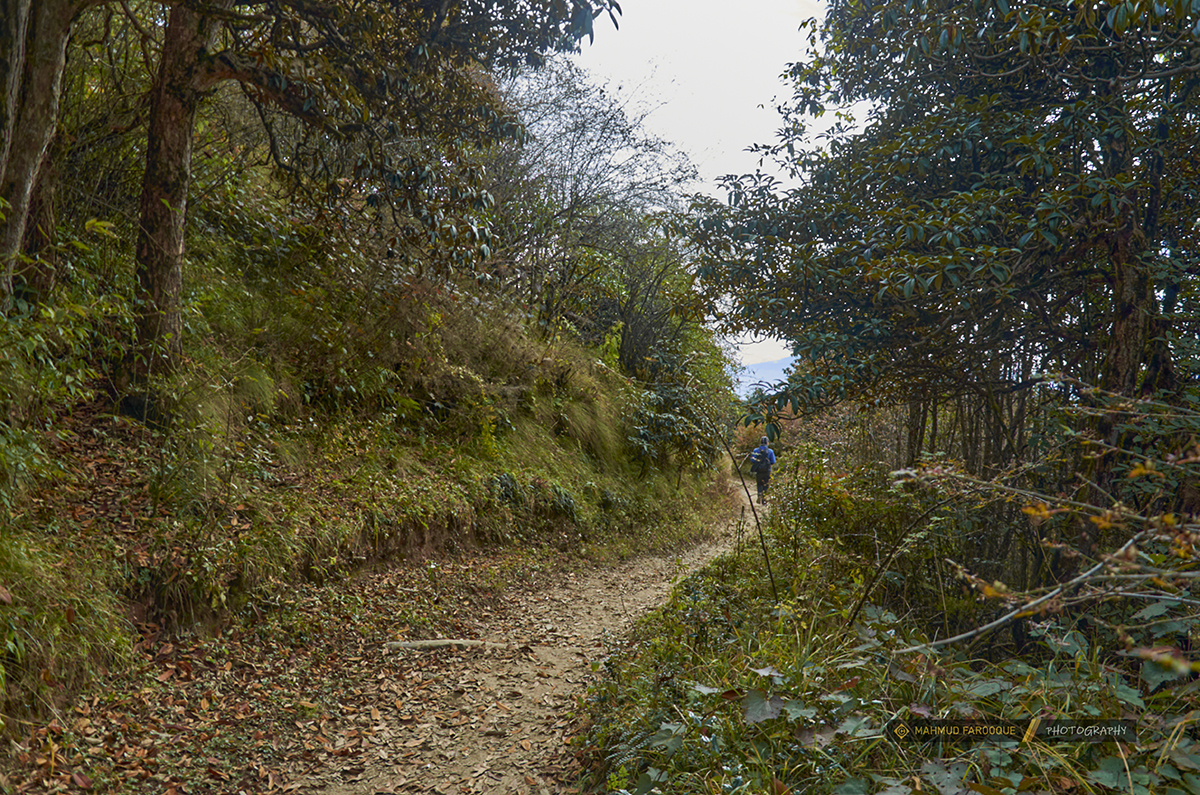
pixel 495 718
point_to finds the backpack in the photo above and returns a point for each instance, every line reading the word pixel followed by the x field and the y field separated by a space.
pixel 759 461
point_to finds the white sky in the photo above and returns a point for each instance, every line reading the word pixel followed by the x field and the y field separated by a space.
pixel 710 69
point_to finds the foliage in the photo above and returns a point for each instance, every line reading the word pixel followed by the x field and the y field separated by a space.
pixel 1016 201
pixel 55 634
pixel 684 411
pixel 1145 521
pixel 47 358
pixel 386 106
pixel 571 197
pixel 728 689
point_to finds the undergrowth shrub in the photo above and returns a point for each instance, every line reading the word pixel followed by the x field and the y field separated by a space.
pixel 48 357
pixel 57 630
pixel 868 527
pixel 749 683
pixel 730 689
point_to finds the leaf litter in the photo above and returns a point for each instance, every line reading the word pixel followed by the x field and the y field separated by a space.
pixel 306 697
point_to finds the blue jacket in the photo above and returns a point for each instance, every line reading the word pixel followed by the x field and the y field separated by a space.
pixel 770 453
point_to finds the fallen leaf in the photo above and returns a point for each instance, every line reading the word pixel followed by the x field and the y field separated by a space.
pixel 849 683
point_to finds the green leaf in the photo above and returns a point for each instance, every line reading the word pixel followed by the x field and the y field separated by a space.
pixel 649 780
pixel 1184 759
pixel 669 737
pixel 1154 674
pixel 853 786
pixel 1110 773
pixel 796 710
pixel 758 707
pixel 857 726
pixel 987 688
pixel 1127 694
pixel 947 780
pixel 1153 611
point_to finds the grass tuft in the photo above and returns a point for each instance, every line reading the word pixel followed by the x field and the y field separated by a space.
pixel 57 631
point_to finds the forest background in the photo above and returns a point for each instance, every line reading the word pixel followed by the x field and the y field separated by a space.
pixel 987 267
pixel 289 288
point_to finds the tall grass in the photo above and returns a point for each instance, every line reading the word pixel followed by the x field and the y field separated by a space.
pixel 57 628
pixel 730 689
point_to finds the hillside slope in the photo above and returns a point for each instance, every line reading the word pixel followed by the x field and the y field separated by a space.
pixel 286 451
pixel 308 696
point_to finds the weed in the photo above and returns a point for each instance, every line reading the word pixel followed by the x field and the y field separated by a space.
pixel 728 689
pixel 56 632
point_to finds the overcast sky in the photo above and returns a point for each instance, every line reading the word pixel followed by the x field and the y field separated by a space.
pixel 710 71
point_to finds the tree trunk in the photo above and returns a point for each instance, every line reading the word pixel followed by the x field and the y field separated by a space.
pixel 1132 308
pixel 174 100
pixel 37 278
pixel 14 26
pixel 34 118
pixel 1160 368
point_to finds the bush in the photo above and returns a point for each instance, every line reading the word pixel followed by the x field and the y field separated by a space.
pixel 49 357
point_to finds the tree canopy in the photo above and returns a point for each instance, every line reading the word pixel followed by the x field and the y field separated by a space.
pixel 380 102
pixel 1019 198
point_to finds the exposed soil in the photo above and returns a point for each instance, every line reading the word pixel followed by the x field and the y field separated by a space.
pixel 497 718
pixel 307 696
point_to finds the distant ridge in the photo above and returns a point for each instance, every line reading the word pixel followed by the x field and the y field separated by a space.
pixel 770 372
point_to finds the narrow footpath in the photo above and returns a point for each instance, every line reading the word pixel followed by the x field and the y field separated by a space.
pixel 318 694
pixel 496 717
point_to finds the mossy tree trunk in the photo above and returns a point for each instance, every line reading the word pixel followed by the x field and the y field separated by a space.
pixel 14 26
pixel 33 56
pixel 160 245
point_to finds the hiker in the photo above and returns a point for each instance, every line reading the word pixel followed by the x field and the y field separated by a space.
pixel 761 461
